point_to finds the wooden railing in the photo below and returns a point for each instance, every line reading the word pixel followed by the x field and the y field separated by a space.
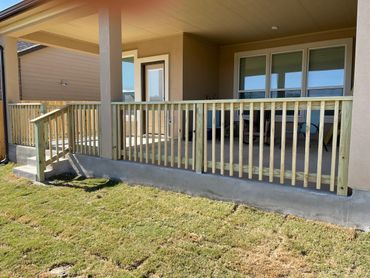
pixel 86 128
pixel 276 140
pixel 52 138
pixel 20 115
pixel 73 128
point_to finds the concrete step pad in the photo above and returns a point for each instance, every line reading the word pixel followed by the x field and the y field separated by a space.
pixel 29 170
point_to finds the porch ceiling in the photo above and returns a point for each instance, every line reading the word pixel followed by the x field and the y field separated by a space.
pixel 222 21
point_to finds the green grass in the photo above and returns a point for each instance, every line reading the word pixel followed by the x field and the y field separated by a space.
pixel 102 228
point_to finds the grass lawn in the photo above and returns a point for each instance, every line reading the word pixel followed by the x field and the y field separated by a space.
pixel 100 228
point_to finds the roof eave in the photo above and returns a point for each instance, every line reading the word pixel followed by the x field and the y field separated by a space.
pixel 20 8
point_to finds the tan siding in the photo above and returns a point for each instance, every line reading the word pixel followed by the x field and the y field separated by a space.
pixel 200 68
pixel 43 70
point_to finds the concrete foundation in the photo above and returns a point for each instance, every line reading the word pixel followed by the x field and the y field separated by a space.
pixel 20 154
pixel 353 211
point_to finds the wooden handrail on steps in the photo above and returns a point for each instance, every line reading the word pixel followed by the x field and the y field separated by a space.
pixel 50 128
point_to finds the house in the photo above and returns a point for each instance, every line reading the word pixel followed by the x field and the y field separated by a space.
pixel 222 99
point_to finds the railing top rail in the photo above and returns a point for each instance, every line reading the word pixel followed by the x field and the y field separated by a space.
pixel 264 100
pixel 49 114
pixel 85 102
pixel 24 104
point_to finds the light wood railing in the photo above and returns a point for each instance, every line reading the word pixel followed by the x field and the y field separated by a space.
pixel 73 128
pixel 282 141
pixel 86 128
pixel 20 115
pixel 52 138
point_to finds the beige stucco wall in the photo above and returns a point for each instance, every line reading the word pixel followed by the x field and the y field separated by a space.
pixel 226 69
pixel 200 76
pixel 359 167
pixel 173 46
pixel 43 70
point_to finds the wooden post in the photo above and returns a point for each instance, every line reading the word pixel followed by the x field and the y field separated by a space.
pixel 199 138
pixel 40 150
pixel 345 136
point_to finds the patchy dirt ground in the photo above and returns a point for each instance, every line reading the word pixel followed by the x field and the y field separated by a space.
pixel 101 228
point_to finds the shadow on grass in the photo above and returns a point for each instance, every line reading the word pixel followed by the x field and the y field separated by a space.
pixel 78 182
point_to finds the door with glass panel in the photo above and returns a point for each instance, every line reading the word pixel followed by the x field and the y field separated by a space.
pixel 154 90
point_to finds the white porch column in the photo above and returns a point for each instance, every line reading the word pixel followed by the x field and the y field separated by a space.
pixel 11 68
pixel 359 166
pixel 110 49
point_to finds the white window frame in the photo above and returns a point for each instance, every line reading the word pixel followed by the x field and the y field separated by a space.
pixel 347 43
pixel 133 54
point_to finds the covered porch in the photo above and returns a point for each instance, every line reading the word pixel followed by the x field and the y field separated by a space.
pixel 240 99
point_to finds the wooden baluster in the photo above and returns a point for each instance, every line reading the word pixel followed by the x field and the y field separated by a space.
pixel 124 134
pixel 250 151
pixel 81 129
pixel 135 133
pixel 63 133
pixel 307 145
pixel 262 128
pixel 272 142
pixel 186 136
pixel 159 134
pixel 241 143
pixel 283 143
pixel 57 135
pixel 147 133
pixel 295 139
pixel 89 129
pixel 153 133
pixel 50 139
pixel 205 147
pixel 214 138
pixel 222 141
pixel 179 141
pixel 141 132
pixel 94 129
pixel 85 128
pixel 129 132
pixel 118 126
pixel 231 153
pixel 193 137
pixel 320 144
pixel 199 133
pixel 334 146
pixel 172 135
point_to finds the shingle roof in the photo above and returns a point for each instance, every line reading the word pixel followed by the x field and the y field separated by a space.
pixel 24 45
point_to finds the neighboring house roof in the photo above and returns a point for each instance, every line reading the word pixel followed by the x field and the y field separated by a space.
pixel 27 47
pixel 19 8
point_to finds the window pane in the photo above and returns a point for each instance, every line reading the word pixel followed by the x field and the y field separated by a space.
pixel 285 94
pixel 286 71
pixel 128 71
pixel 252 73
pixel 325 92
pixel 326 68
pixel 249 95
